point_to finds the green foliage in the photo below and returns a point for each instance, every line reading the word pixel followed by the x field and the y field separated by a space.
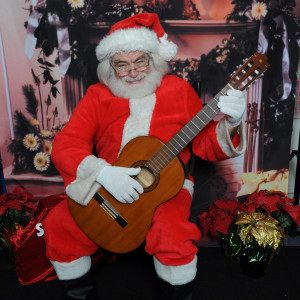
pixel 13 217
pixel 31 100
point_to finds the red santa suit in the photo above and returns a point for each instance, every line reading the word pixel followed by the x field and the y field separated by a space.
pixel 109 122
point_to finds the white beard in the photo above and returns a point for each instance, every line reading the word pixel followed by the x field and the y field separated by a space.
pixel 148 86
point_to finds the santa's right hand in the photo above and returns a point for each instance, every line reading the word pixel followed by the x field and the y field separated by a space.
pixel 119 183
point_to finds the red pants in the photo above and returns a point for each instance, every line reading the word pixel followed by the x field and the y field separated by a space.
pixel 170 238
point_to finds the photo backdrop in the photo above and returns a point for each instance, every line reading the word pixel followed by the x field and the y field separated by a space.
pixel 48 61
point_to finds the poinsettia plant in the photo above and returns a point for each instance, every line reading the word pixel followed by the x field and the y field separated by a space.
pixel 258 225
pixel 16 209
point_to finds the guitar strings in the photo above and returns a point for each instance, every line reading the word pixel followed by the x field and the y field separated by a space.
pixel 171 149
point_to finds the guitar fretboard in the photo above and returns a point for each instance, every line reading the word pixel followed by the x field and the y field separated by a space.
pixel 171 149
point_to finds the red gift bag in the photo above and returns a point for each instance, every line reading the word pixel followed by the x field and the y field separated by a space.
pixel 29 247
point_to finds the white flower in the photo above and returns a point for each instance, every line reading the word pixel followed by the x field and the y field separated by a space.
pixel 259 10
pixel 76 3
pixel 41 161
pixel 30 141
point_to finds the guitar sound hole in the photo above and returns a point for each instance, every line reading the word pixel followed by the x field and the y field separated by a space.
pixel 146 177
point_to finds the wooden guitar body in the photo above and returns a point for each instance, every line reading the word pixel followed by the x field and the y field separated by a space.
pixel 102 228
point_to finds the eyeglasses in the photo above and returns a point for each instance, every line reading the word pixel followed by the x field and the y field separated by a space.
pixel 124 68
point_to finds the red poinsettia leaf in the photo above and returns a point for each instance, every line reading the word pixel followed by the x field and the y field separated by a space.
pixel 29 207
pixel 247 206
pixel 3 198
pixel 279 193
pixel 270 201
pixel 23 195
pixel 18 190
pixel 205 225
pixel 289 200
pixel 222 222
pixel 294 212
pixel 231 206
pixel 270 206
pixel 3 209
pixel 14 204
pixel 202 216
pixel 212 210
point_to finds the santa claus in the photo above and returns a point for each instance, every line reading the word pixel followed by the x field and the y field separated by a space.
pixel 135 97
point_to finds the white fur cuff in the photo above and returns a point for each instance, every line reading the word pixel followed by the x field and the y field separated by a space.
pixel 189 186
pixel 85 186
pixel 176 275
pixel 233 123
pixel 224 139
pixel 73 269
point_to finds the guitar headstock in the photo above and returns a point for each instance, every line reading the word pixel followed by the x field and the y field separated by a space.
pixel 252 68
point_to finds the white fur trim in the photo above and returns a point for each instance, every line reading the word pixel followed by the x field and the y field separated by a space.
pixel 167 50
pixel 133 39
pixel 189 186
pixel 234 123
pixel 73 269
pixel 84 186
pixel 176 275
pixel 224 139
pixel 138 123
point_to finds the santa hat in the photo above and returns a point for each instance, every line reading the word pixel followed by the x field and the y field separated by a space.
pixel 139 32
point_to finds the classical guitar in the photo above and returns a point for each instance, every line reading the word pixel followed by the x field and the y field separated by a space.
pixel 121 228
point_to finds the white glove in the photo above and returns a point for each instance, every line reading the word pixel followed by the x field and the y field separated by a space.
pixel 233 105
pixel 117 181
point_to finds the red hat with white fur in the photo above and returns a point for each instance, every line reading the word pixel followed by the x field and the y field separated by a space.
pixel 139 32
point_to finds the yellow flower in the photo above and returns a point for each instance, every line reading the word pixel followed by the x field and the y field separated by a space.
pixel 47 147
pixel 46 133
pixel 34 122
pixel 76 3
pixel 49 117
pixel 259 10
pixel 30 141
pixel 41 161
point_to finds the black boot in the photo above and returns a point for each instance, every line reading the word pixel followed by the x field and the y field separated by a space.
pixel 81 288
pixel 176 292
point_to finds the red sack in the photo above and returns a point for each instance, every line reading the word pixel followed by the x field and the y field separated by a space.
pixel 29 247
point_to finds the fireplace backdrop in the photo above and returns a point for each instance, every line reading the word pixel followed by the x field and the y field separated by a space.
pixel 44 77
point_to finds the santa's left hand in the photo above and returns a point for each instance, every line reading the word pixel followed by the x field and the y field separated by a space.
pixel 233 105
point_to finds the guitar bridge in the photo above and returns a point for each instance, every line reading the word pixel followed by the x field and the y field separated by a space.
pixel 105 205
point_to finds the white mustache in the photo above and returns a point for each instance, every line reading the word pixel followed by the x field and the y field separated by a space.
pixel 132 79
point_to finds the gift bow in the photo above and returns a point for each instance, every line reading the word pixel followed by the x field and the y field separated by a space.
pixel 261 227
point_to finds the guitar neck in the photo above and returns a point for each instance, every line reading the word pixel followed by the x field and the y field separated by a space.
pixel 247 73
pixel 183 137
